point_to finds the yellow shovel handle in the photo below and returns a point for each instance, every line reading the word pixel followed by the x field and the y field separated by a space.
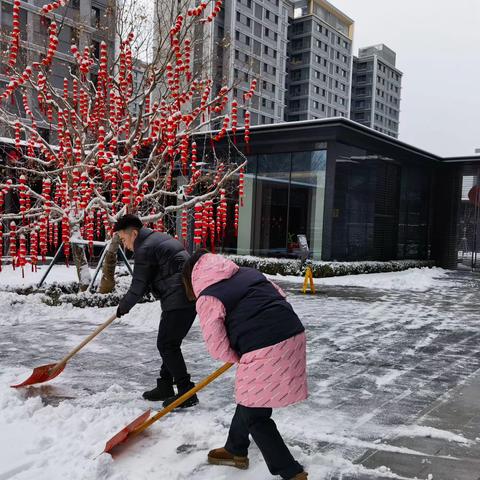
pixel 181 399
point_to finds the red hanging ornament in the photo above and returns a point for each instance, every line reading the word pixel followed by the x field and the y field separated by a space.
pixel 22 254
pixel 248 95
pixel 184 225
pixel 126 184
pixel 1 245
pixel 241 185
pixel 198 225
pixel 66 237
pixel 34 249
pixel 247 130
pixel 43 237
pixel 234 119
pixel 13 243
pixel 236 219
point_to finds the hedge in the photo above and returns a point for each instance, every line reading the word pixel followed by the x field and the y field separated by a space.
pixel 283 266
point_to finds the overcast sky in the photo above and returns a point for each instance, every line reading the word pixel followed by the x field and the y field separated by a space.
pixel 438 50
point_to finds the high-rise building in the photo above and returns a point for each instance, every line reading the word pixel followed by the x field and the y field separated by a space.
pixel 320 61
pixel 247 40
pixel 376 90
pixel 83 22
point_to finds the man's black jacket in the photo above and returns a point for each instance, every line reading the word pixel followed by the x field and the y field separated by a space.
pixel 159 260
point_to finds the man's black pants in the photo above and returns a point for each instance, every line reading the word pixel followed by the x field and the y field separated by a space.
pixel 174 326
pixel 257 423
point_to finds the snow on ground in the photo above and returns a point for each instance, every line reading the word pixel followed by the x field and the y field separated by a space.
pixel 376 358
pixel 13 278
pixel 419 279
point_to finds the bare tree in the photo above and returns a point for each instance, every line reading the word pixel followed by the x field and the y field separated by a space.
pixel 123 132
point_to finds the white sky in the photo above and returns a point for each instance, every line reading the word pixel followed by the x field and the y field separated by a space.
pixel 438 49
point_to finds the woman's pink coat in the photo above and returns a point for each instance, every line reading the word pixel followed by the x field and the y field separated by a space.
pixel 269 377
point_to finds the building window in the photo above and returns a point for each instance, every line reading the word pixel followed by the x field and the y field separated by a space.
pixel 96 49
pixel 95 17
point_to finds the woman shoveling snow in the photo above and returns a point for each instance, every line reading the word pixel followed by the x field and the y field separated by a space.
pixel 245 319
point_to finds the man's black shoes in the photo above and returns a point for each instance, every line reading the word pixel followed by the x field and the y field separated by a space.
pixel 163 391
pixel 190 402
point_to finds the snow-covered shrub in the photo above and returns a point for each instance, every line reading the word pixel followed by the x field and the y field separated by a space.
pixel 285 266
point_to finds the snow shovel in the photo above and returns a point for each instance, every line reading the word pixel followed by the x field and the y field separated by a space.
pixel 142 422
pixel 48 372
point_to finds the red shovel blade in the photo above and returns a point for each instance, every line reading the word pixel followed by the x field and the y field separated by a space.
pixel 40 375
pixel 123 434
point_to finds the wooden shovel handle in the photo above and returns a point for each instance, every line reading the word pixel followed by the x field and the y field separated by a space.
pixel 99 329
pixel 181 399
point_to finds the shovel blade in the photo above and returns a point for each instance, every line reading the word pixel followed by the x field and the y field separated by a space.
pixel 123 434
pixel 40 375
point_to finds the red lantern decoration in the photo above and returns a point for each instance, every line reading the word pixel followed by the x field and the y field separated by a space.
pixel 223 131
pixel 198 226
pixel 247 129
pixel 66 237
pixel 126 185
pixel 34 249
pixel 43 237
pixel 1 245
pixel 236 219
pixel 234 118
pixel 241 185
pixel 248 95
pixel 13 243
pixel 22 254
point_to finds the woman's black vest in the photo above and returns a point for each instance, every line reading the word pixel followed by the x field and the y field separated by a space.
pixel 257 315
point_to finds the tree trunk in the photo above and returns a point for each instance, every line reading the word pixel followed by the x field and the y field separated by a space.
pixel 81 264
pixel 107 283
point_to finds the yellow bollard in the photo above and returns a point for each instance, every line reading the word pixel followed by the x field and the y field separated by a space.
pixel 308 280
